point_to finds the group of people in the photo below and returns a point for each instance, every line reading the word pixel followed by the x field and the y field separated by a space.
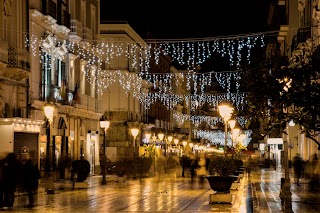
pixel 194 166
pixel 14 173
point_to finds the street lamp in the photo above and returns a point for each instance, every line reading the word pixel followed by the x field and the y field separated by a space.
pixel 48 109
pixel 104 124
pixel 170 138
pixel 148 136
pixel 184 143
pixel 191 145
pixel 225 112
pixel 232 123
pixel 134 133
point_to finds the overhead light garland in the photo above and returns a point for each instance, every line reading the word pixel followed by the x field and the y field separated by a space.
pixel 190 53
pixel 198 119
pixel 218 137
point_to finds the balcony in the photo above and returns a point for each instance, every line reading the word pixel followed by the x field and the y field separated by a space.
pixel 18 67
pixel 134 117
pixel 302 35
pixel 76 29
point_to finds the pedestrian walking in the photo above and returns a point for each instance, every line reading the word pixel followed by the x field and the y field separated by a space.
pixel 172 166
pixel 160 167
pixel 193 166
pixel 184 163
pixel 9 175
pixel 31 174
pixel 297 167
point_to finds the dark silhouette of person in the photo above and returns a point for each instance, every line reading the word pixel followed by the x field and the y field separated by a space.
pixel 185 163
pixel 193 167
pixel 297 166
pixel 31 174
pixel 9 168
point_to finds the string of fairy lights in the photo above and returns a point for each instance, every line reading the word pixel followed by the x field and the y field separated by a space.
pixel 191 53
pixel 181 118
pixel 217 137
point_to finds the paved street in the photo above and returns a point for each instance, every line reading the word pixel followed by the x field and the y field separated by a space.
pixel 258 192
pixel 266 188
pixel 145 195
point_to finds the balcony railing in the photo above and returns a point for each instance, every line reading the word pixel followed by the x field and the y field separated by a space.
pixel 76 28
pixel 302 35
pixel 18 58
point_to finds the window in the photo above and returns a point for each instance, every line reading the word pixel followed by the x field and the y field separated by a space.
pixel 46 75
pixel 60 72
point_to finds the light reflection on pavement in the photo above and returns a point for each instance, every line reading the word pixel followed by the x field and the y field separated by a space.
pixel 145 195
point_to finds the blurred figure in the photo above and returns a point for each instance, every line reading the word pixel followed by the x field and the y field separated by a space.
pixel 184 163
pixel 193 166
pixel 172 165
pixel 314 182
pixel 31 174
pixel 161 167
pixel 297 167
pixel 9 175
pixel 201 170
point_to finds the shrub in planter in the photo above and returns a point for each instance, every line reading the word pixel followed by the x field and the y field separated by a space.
pixel 221 166
pixel 121 167
pixel 221 170
pixel 144 164
pixel 80 169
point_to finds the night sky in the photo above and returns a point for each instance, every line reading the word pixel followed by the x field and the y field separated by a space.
pixel 171 20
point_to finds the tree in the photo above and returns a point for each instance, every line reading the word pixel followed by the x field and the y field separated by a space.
pixel 282 90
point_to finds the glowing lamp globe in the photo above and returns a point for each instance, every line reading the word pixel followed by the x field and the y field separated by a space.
pixel 134 132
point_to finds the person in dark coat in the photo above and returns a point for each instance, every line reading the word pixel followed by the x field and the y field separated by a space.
pixel 9 179
pixel 31 174
pixel 298 167
pixel 185 163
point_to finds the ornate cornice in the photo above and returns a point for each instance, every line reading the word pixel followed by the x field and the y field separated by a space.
pixel 70 110
pixel 48 23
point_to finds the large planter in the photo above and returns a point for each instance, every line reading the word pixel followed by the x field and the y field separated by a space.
pixel 221 184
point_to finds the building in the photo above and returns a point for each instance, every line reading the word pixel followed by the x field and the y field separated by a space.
pixel 296 21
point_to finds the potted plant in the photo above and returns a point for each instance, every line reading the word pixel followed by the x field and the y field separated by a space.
pixel 221 174
pixel 122 168
pixel 80 170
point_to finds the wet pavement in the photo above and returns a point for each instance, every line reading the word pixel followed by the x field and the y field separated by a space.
pixel 266 188
pixel 139 195
pixel 257 192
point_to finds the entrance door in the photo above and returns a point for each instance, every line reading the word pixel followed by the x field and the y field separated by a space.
pixel 24 143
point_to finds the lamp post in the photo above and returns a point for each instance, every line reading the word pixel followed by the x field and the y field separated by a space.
pixel 184 143
pixel 134 133
pixel 170 138
pixel 225 112
pixel 104 124
pixel 48 109
pixel 191 145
